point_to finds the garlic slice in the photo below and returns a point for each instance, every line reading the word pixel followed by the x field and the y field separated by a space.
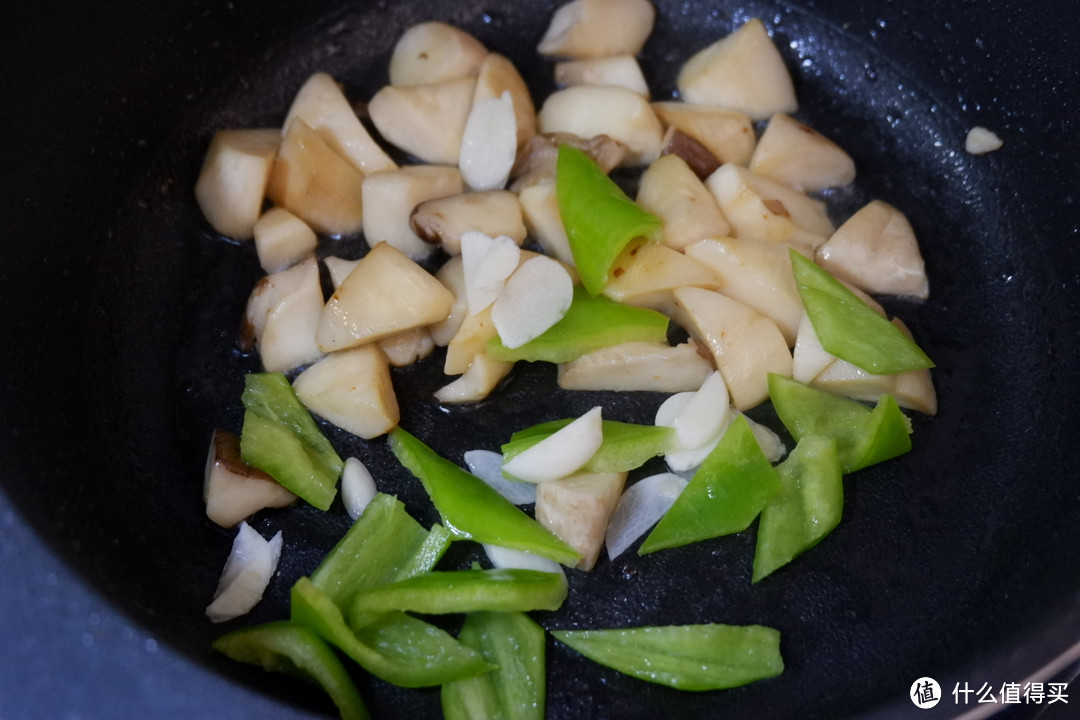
pixel 252 562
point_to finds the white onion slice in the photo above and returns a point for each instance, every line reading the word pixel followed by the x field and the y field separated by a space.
pixel 769 442
pixel 251 564
pixel 357 487
pixel 535 297
pixel 705 415
pixel 561 453
pixel 640 507
pixel 486 262
pixel 502 557
pixel 487 465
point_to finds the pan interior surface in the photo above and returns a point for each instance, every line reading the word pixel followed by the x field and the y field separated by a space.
pixel 943 557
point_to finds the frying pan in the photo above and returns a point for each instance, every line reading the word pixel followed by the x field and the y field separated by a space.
pixel 120 307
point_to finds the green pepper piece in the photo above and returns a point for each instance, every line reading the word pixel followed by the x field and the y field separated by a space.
pixel 686 657
pixel 590 324
pixel 863 436
pixel 282 439
pixel 471 509
pixel 599 218
pixel 806 509
pixel 626 446
pixel 295 650
pixel 395 647
pixel 453 591
pixel 849 328
pixel 516 689
pixel 725 495
pixel 383 545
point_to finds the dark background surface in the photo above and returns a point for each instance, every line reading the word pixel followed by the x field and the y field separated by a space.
pixel 945 562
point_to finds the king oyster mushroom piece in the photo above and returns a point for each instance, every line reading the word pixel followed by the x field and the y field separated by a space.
pixel 232 489
pixel 877 251
pixel 391 196
pixel 797 155
pixel 433 52
pixel 426 121
pixel 696 156
pixel 589 110
pixel 282 316
pixel 646 274
pixel 282 239
pixel 536 159
pixel 598 28
pixel 323 106
pixel 672 191
pixel 636 366
pixel 476 383
pixel 577 509
pixel 353 390
pixel 384 295
pixel 621 70
pixel 761 209
pixel 726 134
pixel 444 220
pixel 745 345
pixel 316 184
pixel 757 274
pixel 743 72
pixel 233 179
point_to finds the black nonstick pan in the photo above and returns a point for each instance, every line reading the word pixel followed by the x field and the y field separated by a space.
pixel 120 306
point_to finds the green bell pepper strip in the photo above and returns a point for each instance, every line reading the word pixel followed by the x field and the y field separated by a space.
pixel 863 436
pixel 806 509
pixel 516 689
pixel 282 439
pixel 383 545
pixel 454 591
pixel 626 446
pixel 296 650
pixel 685 657
pixel 724 496
pixel 849 328
pixel 395 647
pixel 600 220
pixel 590 324
pixel 471 509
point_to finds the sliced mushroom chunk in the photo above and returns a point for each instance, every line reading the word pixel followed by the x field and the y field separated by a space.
pixel 797 155
pixel 876 250
pixel 444 220
pixel 426 121
pixel 645 275
pixel 598 28
pixel 577 509
pixel 233 178
pixel 351 389
pixel 234 490
pixel 672 191
pixel 433 52
pixel 621 70
pixel 535 162
pixel 392 195
pixel 323 106
pixel 386 294
pixel 316 184
pixel 635 366
pixel 727 134
pixel 588 110
pixel 761 209
pixel 742 72
pixel 282 315
pixel 697 157
pixel 746 346
pixel 282 239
